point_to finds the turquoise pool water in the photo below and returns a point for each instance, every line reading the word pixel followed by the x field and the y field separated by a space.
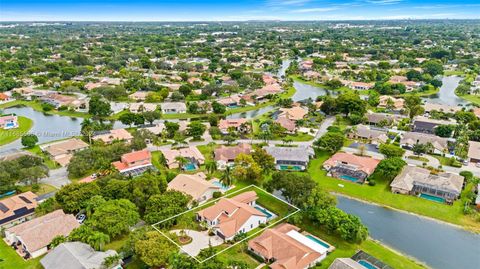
pixel 349 178
pixel 264 211
pixel 189 167
pixel 219 184
pixel 366 264
pixel 311 237
pixel 289 167
pixel 432 198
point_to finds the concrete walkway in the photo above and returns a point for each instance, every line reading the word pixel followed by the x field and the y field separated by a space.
pixel 200 240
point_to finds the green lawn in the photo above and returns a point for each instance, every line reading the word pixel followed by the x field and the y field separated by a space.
pixel 380 194
pixel 471 98
pixel 8 136
pixel 9 259
pixel 51 164
pixel 44 188
pixel 418 158
pixel 38 107
pixel 424 93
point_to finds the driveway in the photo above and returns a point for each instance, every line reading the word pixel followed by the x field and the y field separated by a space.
pixel 57 178
pixel 200 240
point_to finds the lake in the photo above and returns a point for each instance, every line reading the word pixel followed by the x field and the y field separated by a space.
pixel 439 245
pixel 446 95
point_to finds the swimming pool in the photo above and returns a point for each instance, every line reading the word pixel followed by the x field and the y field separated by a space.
pixel 349 178
pixel 264 211
pixel 366 264
pixel 432 198
pixel 220 184
pixel 314 239
pixel 290 167
pixel 189 167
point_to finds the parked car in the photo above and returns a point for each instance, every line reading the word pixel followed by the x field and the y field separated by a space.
pixel 81 218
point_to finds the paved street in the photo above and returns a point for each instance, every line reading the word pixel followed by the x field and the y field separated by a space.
pixel 57 178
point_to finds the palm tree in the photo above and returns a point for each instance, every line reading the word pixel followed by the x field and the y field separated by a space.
pixel 98 240
pixel 226 178
pixel 181 161
pixel 211 166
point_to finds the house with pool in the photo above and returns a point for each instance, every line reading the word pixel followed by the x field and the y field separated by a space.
pixel 360 260
pixel 193 156
pixel 286 247
pixel 350 167
pixel 196 185
pixel 442 187
pixel 134 163
pixel 8 121
pixel 236 215
pixel 290 158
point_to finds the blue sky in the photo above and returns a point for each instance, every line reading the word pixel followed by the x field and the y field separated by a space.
pixel 239 10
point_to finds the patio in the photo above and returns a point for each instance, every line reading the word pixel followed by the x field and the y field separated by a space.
pixel 200 240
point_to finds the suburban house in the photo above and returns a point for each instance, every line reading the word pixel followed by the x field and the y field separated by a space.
pixel 17 209
pixel 386 101
pixel 295 113
pixel 8 121
pixel 382 118
pixel 113 135
pixel 362 86
pixel 261 94
pixel 345 263
pixel 231 216
pixel 372 136
pixel 473 152
pixel 409 139
pixel 194 157
pixel 194 185
pixel 409 85
pixel 285 247
pixel 231 101
pixel 62 151
pixel 350 167
pixel 288 124
pixel 426 125
pixel 134 163
pixel 429 107
pixel 31 238
pixel 61 100
pixel 142 107
pixel 360 260
pixel 268 79
pixel 78 255
pixel 443 187
pixel 173 107
pixel 139 95
pixel 239 125
pixel 4 97
pixel 225 156
pixel 290 158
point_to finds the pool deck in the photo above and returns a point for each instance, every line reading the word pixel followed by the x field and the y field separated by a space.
pixel 330 249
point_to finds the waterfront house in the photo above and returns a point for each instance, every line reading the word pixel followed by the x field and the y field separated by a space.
pixel 290 158
pixel 350 167
pixel 134 163
pixel 9 121
pixel 419 181
pixel 173 107
pixel 288 124
pixel 194 157
pixel 473 152
pixel 368 134
pixel 225 156
pixel 110 136
pixel 142 107
pixel 409 139
pixel 426 125
pixel 62 151
pixel 384 119
pixel 31 238
pixel 429 107
pixel 231 101
pixel 17 209
pixel 78 255
pixel 238 125
pixel 295 113
pixel 231 216
pixel 285 247
pixel 194 185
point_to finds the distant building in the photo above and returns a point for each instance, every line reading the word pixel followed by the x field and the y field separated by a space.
pixel 134 163
pixel 78 255
pixel 429 107
pixel 473 152
pixel 238 125
pixel 385 101
pixel 173 108
pixel 142 107
pixel 139 95
pixel 32 238
pixel 420 182
pixel 9 121
pixel 17 209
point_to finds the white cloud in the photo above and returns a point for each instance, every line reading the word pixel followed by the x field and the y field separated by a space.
pixel 384 2
pixel 315 9
pixel 287 2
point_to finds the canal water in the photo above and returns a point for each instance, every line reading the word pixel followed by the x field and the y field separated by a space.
pixel 446 95
pixel 439 245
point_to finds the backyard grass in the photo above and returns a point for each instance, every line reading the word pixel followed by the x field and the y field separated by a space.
pixel 381 194
pixel 8 136
pixel 51 164
pixel 44 188
pixel 421 94
pixel 418 158
pixel 471 98
pixel 447 161
pixel 36 105
pixel 9 259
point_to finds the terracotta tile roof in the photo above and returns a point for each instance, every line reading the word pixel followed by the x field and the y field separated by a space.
pixel 193 185
pixel 190 152
pixel 3 96
pixel 474 150
pixel 8 206
pixel 295 113
pixel 286 123
pixel 116 134
pixel 64 146
pixel 133 159
pixel 234 123
pixel 288 253
pixel 230 153
pixel 362 163
pixel 39 232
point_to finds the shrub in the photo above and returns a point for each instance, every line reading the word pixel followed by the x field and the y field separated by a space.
pixel 217 194
pixel 47 107
pixel 371 182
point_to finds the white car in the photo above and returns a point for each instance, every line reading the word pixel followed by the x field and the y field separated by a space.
pixel 81 218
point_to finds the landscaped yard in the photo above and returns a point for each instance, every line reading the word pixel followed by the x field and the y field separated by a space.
pixel 51 164
pixel 9 259
pixel 472 98
pixel 418 158
pixel 43 189
pixel 38 107
pixel 8 136
pixel 380 193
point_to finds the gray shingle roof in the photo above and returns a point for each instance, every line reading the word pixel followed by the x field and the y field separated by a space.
pixel 76 255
